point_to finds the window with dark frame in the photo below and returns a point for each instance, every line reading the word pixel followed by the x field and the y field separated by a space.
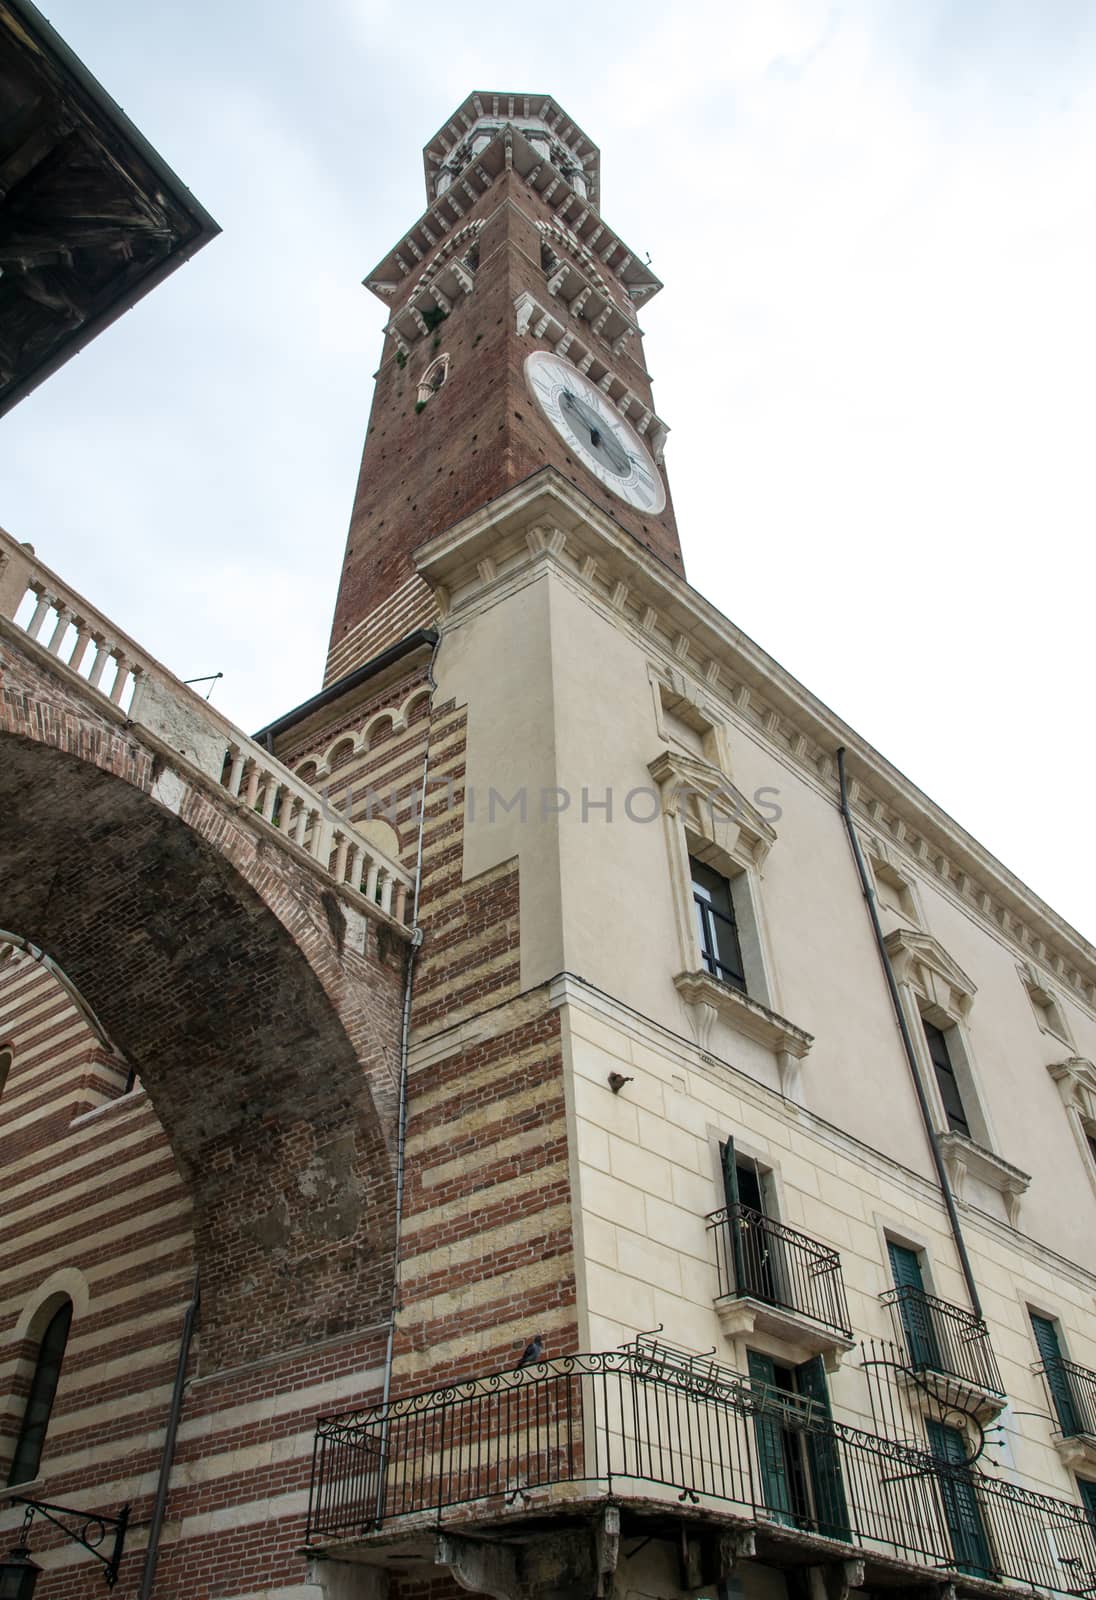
pixel 946 1080
pixel 800 1471
pixel 43 1388
pixel 719 944
pixel 1088 1498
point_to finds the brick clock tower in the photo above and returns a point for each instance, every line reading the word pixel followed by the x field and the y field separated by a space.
pixel 512 345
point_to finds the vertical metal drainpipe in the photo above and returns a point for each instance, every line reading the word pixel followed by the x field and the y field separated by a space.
pixel 401 1118
pixel 168 1454
pixel 907 1042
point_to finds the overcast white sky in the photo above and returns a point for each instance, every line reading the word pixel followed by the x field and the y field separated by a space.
pixel 876 346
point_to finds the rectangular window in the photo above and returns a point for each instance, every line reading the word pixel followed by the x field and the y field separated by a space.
pixel 961 1509
pixel 716 925
pixel 1057 1374
pixel 801 1477
pixel 945 1079
pixel 757 1250
pixel 922 1346
pixel 1088 1498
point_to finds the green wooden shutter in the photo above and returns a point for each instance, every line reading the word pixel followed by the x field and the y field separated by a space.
pixel 914 1313
pixel 823 1457
pixel 961 1510
pixel 1046 1338
pixel 730 1200
pixel 730 1173
pixel 905 1266
pixel 776 1487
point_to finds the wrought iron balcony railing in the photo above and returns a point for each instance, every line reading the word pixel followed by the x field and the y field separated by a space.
pixel 768 1261
pixel 633 1423
pixel 1071 1391
pixel 942 1338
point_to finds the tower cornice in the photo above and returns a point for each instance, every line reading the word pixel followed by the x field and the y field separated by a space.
pixel 509 149
pixel 558 138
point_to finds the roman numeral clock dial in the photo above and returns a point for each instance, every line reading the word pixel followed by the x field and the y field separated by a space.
pixel 588 422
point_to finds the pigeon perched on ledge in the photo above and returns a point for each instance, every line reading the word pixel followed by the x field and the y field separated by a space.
pixel 533 1351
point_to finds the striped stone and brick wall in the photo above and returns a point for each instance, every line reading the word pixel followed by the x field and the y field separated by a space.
pixel 96 1206
pixel 95 1209
pixel 486 1242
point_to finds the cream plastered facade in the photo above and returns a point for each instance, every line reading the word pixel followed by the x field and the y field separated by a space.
pixel 587 668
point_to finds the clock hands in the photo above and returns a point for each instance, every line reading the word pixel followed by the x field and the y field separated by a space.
pixel 602 438
pixel 602 441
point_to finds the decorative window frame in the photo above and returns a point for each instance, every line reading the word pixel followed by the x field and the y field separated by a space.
pixel 706 816
pixel 934 988
pixel 1049 1016
pixel 427 387
pixel 890 874
pixel 676 697
pixel 1076 1080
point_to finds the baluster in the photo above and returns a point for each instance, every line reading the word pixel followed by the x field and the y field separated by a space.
pixel 286 810
pixel 341 848
pixel 321 839
pixel 79 649
pixel 303 816
pixel 400 902
pixel 370 889
pixel 40 610
pixel 353 865
pixel 237 769
pixel 270 797
pixel 102 656
pixel 121 678
pixel 251 789
pixel 61 627
pixel 387 885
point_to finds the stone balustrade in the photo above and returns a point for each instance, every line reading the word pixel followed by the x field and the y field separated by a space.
pixel 65 625
pixel 302 815
pixel 81 639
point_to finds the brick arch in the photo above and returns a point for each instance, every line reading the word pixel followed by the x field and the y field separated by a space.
pixel 222 968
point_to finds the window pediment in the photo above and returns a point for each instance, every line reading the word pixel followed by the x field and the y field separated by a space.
pixel 1048 1012
pixel 709 805
pixel 922 961
pixel 1076 1080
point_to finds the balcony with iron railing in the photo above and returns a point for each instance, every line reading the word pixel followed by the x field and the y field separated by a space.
pixel 1071 1395
pixel 781 1281
pixel 676 1446
pixel 947 1350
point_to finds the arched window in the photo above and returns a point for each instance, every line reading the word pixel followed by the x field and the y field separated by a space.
pixel 433 378
pixel 43 1387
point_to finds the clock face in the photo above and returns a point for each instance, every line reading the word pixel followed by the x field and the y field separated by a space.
pixel 605 443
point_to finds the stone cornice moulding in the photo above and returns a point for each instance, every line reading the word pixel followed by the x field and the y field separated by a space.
pixel 746 1016
pixel 963 1156
pixel 568 989
pixel 625 580
pixel 922 961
